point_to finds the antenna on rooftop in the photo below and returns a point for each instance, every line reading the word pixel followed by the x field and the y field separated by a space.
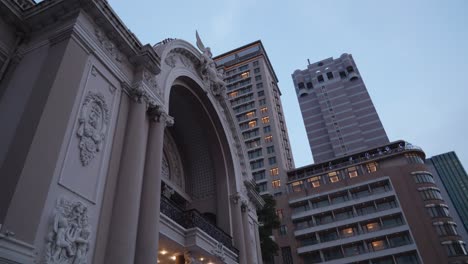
pixel 308 61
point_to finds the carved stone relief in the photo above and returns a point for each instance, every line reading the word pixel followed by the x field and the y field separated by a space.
pixel 109 46
pixel 68 240
pixel 218 251
pixel 174 170
pixel 152 83
pixel 93 123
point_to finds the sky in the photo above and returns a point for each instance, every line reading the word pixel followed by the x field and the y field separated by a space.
pixel 412 55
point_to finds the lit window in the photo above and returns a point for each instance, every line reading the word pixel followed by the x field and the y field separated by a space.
pixel 372 227
pixel 245 75
pixel 250 114
pixel 233 94
pixel 377 245
pixel 314 181
pixel 276 184
pixel 268 139
pixel 263 110
pixel 296 186
pixel 279 213
pixel 371 167
pixel 265 120
pixel 333 176
pixel 274 172
pixel 347 232
pixel 252 123
pixel 352 172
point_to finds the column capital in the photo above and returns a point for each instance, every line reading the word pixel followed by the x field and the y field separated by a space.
pixel 156 113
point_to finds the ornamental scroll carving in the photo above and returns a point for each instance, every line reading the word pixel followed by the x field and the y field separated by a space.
pixel 93 122
pixel 68 241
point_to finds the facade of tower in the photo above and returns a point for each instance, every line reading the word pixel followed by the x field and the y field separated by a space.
pixel 454 178
pixel 254 97
pixel 337 110
pixel 372 207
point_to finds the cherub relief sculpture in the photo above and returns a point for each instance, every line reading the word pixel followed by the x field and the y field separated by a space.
pixel 68 241
pixel 211 76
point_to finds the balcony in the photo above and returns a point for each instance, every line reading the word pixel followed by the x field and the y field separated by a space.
pixel 194 219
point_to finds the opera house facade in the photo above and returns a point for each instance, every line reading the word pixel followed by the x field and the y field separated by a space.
pixel 112 151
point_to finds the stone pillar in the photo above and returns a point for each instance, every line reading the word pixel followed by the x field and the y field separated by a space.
pixel 257 241
pixel 249 247
pixel 239 241
pixel 148 224
pixel 123 227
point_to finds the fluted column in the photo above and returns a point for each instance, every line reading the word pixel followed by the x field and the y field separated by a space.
pixel 148 224
pixel 124 223
pixel 249 247
pixel 239 240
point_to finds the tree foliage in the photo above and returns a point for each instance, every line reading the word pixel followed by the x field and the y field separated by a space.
pixel 268 221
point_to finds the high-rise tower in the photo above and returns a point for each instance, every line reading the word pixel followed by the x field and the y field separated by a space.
pixel 338 113
pixel 253 93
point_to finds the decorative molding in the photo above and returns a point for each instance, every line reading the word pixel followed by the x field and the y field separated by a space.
pixel 109 46
pixel 174 170
pixel 152 83
pixel 68 241
pixel 218 251
pixel 93 122
pixel 157 114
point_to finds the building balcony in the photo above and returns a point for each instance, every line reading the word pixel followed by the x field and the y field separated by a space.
pixel 180 223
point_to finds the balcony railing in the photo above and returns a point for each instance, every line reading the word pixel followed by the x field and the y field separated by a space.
pixel 192 218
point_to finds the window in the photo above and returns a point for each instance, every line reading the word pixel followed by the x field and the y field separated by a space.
pixel 245 75
pixel 301 85
pixel 283 230
pixel 255 63
pixel 342 74
pixel 423 178
pixel 332 253
pixel 348 231
pixel 259 175
pixel 270 149
pixel 455 248
pixel 446 228
pixel 314 181
pixel 256 164
pixel 377 245
pixel 233 94
pixel 385 204
pixel 309 85
pixel 262 187
pixel 259 85
pixel 253 143
pixel 256 70
pixel 437 210
pixel 297 186
pixel 279 213
pixel 371 226
pixel 264 110
pixel 250 114
pixel 414 158
pixel 350 69
pixel 255 153
pixel 252 123
pixel 261 93
pixel 365 208
pixel 265 120
pixel 250 134
pixel 266 129
pixel 330 75
pixel 276 184
pixel 353 249
pixel 407 258
pixel 274 172
pixel 430 193
pixel 258 78
pixel 339 197
pixel 371 167
pixel 390 221
pixel 286 254
pixel 328 235
pixel 352 172
pixel 243 67
pixel 333 176
pixel 272 160
pixel 262 102
pixel 320 78
pixel 268 139
pixel 344 213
